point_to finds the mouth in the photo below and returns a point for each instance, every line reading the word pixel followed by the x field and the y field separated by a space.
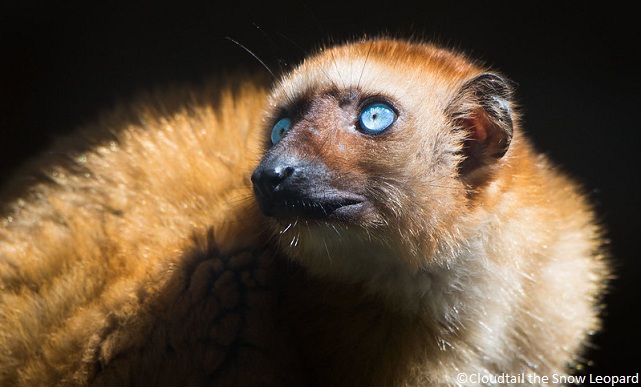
pixel 334 207
pixel 288 188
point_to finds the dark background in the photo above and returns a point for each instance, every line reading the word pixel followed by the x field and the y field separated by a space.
pixel 576 65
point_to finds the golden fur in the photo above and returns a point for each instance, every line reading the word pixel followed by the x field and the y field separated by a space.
pixel 134 253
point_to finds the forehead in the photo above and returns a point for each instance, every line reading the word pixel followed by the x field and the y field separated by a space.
pixel 390 68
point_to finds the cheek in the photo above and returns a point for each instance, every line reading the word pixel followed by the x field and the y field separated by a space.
pixel 344 154
pixel 414 190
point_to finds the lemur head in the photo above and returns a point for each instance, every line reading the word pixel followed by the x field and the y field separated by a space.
pixel 375 152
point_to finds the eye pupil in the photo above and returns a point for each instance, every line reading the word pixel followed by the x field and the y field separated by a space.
pixel 377 117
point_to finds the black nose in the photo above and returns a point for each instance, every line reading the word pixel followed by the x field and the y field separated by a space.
pixel 286 186
pixel 266 179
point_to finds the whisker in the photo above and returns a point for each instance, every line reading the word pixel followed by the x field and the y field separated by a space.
pixel 272 47
pixel 333 227
pixel 286 228
pixel 369 50
pixel 329 255
pixel 254 55
pixel 283 36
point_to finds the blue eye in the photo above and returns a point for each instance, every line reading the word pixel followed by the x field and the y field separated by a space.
pixel 377 117
pixel 279 130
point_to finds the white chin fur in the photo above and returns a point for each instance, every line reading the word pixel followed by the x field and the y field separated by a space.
pixel 352 255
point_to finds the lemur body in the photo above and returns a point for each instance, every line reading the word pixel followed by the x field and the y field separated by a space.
pixel 404 231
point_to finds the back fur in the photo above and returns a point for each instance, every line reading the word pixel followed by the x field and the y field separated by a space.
pixel 110 269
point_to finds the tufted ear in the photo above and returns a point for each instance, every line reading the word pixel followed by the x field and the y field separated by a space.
pixel 482 108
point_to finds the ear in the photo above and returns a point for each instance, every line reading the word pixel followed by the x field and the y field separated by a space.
pixel 482 108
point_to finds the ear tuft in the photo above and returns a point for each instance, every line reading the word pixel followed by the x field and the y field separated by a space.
pixel 483 109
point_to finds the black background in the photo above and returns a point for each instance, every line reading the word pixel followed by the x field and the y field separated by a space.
pixel 576 65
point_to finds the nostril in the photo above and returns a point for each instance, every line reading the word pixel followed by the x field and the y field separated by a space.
pixel 267 179
pixel 278 174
